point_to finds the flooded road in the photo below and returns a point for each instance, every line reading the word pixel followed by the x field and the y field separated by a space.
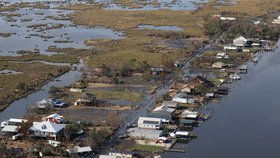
pixel 18 108
pixel 246 122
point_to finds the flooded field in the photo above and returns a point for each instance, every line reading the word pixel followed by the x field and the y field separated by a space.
pixel 35 30
pixel 153 5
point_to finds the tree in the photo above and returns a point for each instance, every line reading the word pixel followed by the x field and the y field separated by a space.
pixel 96 137
pixel 71 129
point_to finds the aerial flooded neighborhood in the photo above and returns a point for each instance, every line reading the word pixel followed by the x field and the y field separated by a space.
pixel 139 78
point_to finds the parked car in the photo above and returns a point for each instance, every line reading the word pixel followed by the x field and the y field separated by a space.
pixel 58 103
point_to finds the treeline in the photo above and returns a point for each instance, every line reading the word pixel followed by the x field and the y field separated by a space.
pixel 233 29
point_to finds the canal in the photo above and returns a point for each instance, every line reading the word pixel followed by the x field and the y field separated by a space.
pixel 246 122
pixel 19 108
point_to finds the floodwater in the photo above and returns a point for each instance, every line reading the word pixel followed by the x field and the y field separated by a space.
pixel 246 122
pixel 38 29
pixel 160 4
pixel 163 28
pixel 18 108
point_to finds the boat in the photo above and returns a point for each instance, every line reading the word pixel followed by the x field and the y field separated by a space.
pixel 4 123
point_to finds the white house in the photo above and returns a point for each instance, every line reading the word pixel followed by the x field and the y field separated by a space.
pixel 189 114
pixel 149 122
pixel 229 47
pixel 47 129
pixel 228 18
pixel 240 41
pixel 79 150
pixel 183 98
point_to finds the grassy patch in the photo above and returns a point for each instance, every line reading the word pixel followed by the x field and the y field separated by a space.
pixel 147 148
pixel 117 95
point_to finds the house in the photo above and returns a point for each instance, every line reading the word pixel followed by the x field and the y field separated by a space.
pixel 165 116
pixel 10 129
pixel 228 18
pixel 140 133
pixel 54 143
pixel 86 99
pixel 183 98
pixel 170 104
pixel 47 129
pixel 198 80
pixel 180 134
pixel 218 65
pixel 194 82
pixel 242 69
pixel 164 108
pixel 221 55
pixel 54 118
pixel 15 121
pixel 149 122
pixel 229 47
pixel 189 114
pixel 240 41
pixel 77 150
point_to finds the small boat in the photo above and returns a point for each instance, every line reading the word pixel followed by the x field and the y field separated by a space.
pixel 255 60
pixel 4 123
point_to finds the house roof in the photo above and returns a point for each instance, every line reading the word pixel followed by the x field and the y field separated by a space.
pixel 149 120
pixel 181 95
pixel 182 133
pixel 240 38
pixel 10 128
pixel 204 80
pixel 189 114
pixel 14 120
pixel 171 104
pixel 56 116
pixel 145 133
pixel 78 149
pixel 46 126
pixel 164 108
